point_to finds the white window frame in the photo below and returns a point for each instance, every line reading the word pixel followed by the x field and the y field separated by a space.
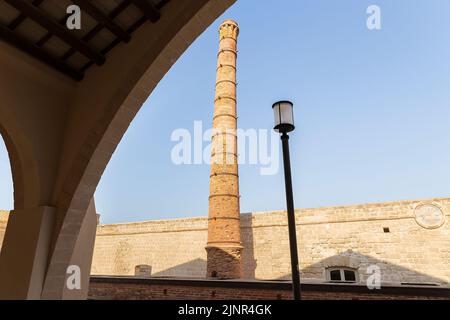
pixel 342 271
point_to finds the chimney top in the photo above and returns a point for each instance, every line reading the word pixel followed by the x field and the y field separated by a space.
pixel 229 21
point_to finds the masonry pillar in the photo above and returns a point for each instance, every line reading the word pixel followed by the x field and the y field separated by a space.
pixel 25 256
pixel 224 247
pixel 81 258
pixel 25 252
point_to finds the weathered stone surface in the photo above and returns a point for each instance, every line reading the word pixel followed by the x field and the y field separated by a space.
pixel 3 223
pixel 350 236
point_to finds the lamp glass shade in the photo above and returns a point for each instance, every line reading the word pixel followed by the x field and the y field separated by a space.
pixel 284 116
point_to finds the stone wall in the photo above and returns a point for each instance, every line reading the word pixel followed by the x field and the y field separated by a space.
pixel 352 236
pixel 3 222
pixel 170 248
pixel 408 241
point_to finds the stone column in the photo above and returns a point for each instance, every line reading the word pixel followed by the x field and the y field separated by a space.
pixel 24 258
pixel 224 247
pixel 25 251
pixel 81 258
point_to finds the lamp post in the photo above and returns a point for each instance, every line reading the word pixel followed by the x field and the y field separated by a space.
pixel 284 123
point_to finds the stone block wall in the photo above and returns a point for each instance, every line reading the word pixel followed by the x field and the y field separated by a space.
pixel 387 235
pixel 409 241
pixel 170 248
pixel 354 237
pixel 3 222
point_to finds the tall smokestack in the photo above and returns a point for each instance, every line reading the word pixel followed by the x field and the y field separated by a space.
pixel 224 247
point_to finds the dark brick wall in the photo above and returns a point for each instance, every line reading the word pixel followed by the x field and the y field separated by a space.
pixel 176 289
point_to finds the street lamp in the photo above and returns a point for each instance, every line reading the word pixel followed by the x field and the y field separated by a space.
pixel 284 123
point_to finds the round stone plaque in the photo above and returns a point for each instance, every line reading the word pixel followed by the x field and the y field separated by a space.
pixel 429 216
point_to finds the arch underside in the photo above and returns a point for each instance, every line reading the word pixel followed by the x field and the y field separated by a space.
pixel 60 133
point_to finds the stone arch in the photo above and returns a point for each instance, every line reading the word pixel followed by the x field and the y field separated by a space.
pixel 23 167
pixel 342 261
pixel 122 90
pixel 347 259
pixel 12 156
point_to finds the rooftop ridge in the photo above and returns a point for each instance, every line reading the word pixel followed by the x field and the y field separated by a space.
pixel 362 205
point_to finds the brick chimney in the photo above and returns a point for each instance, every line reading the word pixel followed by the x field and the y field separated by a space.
pixel 224 247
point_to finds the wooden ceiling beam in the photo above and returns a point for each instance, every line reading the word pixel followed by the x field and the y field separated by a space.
pixel 30 9
pixel 49 35
pixel 148 8
pixel 103 19
pixel 21 17
pixel 91 34
pixel 22 44
pixel 130 30
pixel 55 28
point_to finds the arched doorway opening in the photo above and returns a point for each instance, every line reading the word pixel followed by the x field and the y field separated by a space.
pixel 68 130
pixel 93 125
pixel 6 189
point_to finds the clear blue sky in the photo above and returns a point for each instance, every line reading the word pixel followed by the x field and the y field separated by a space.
pixel 372 110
